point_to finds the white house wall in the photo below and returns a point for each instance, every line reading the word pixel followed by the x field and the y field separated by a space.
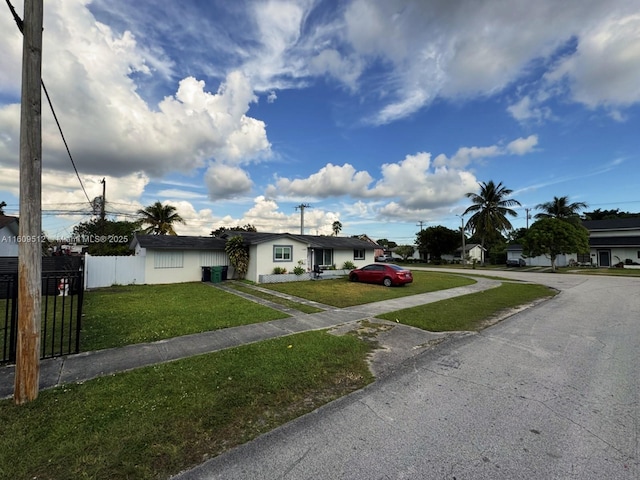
pixel 341 256
pixel 190 271
pixel 614 233
pixel 261 260
pixel 618 254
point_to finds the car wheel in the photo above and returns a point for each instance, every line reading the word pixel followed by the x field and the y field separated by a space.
pixel 353 278
pixel 386 282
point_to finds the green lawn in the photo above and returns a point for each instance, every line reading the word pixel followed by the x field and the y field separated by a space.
pixel 343 293
pixel 154 422
pixel 119 316
pixel 469 312
pixel 124 315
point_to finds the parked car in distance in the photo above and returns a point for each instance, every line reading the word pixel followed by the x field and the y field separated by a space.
pixel 516 262
pixel 384 258
pixel 385 274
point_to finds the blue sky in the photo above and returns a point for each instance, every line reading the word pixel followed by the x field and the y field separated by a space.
pixel 380 114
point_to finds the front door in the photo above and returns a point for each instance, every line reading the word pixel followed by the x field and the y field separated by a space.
pixel 604 258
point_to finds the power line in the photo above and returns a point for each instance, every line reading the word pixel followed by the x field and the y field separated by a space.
pixel 20 25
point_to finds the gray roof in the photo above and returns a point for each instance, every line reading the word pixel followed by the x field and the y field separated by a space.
pixel 7 220
pixel 178 242
pixel 612 224
pixel 314 241
pixel 632 241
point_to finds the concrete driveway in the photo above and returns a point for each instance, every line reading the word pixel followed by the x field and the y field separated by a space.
pixel 550 393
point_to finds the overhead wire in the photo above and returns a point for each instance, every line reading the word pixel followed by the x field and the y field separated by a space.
pixel 20 25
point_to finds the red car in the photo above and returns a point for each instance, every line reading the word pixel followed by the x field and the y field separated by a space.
pixel 385 273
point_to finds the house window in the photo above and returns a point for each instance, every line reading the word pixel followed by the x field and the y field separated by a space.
pixel 282 253
pixel 584 258
pixel 168 260
pixel 638 253
pixel 358 254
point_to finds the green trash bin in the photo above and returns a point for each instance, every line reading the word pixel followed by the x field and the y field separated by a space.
pixel 216 274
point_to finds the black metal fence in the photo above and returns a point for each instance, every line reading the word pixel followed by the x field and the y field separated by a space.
pixel 62 295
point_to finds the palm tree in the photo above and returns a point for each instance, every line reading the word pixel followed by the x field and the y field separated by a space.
pixel 490 209
pixel 336 227
pixel 560 208
pixel 160 219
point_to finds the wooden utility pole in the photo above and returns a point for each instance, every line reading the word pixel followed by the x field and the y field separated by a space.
pixel 104 199
pixel 464 247
pixel 27 371
pixel 302 206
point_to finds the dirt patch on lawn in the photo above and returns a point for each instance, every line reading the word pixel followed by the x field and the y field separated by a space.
pixel 394 343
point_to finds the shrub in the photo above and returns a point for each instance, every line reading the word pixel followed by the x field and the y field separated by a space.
pixel 299 269
pixel 279 270
pixel 348 265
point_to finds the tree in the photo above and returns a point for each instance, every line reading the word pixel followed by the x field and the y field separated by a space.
pixel 515 236
pixel 437 241
pixel 405 251
pixel 336 227
pixel 598 214
pixel 553 236
pixel 238 255
pixel 560 208
pixel 160 219
pixel 2 205
pixel 386 244
pixel 490 209
pixel 106 237
pixel 218 232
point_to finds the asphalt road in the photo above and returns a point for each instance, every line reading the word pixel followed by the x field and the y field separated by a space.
pixel 550 393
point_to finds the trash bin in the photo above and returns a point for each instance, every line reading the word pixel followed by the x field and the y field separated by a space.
pixel 206 274
pixel 216 274
pixel 225 272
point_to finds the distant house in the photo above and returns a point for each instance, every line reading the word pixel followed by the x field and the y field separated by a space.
pixel 473 252
pixel 173 259
pixel 611 242
pixel 378 250
pixel 8 236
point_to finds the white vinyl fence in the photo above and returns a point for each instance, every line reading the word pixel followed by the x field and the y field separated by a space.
pixel 113 270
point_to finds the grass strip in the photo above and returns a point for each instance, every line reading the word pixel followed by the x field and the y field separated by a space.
pixel 301 307
pixel 160 420
pixel 342 293
pixel 123 315
pixel 469 312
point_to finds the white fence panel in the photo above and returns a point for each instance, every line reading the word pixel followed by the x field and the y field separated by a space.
pixel 113 270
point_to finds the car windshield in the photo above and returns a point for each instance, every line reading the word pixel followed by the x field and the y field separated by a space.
pixel 397 267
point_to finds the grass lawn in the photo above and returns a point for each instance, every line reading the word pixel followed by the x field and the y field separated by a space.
pixel 157 421
pixel 118 316
pixel 469 312
pixel 275 299
pixel 342 293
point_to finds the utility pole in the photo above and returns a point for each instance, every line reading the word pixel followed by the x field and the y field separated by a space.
pixel 27 370
pixel 420 224
pixel 104 198
pixel 301 207
pixel 528 216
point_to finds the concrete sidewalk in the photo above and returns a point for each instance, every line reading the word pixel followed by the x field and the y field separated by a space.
pixel 88 365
